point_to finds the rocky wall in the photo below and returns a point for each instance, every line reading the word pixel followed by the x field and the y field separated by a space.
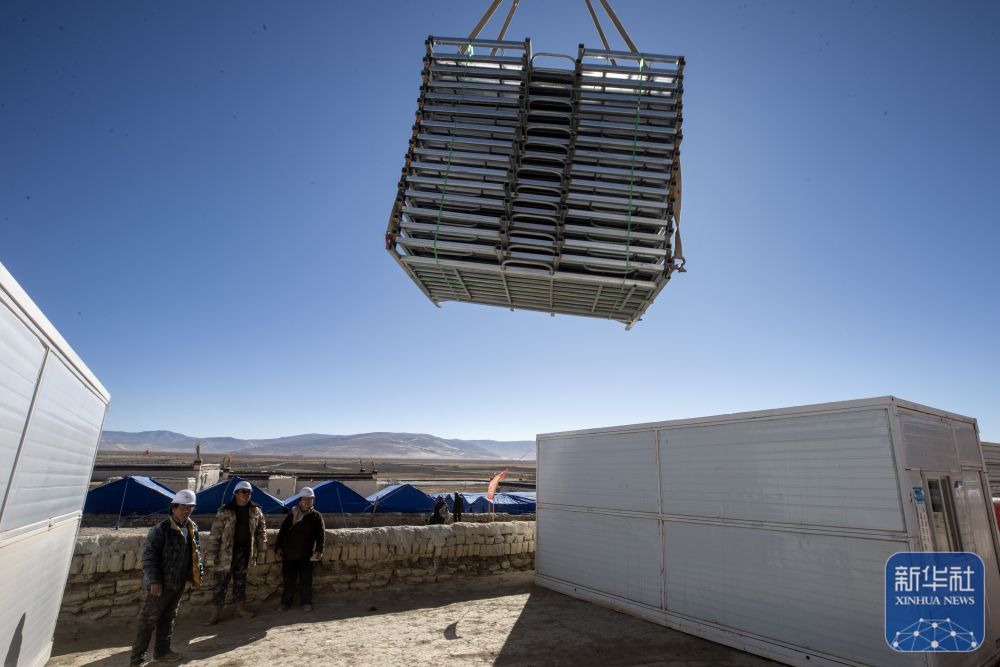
pixel 366 520
pixel 105 580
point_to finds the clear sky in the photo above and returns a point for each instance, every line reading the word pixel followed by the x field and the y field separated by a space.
pixel 195 193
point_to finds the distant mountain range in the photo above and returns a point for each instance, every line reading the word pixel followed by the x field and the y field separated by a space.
pixel 361 445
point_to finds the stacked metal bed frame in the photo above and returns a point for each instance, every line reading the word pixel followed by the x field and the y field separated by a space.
pixel 540 181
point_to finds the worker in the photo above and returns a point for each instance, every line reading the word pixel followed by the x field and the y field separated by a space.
pixel 440 512
pixel 171 557
pixel 300 542
pixel 237 541
pixel 457 507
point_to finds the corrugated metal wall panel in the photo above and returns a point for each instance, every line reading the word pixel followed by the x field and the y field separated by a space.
pixel 34 574
pixel 820 592
pixel 967 442
pixel 991 455
pixel 928 442
pixel 824 470
pixel 608 471
pixel 614 555
pixel 53 471
pixel 21 355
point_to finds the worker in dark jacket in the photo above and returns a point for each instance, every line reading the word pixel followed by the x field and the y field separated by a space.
pixel 440 513
pixel 171 557
pixel 300 542
pixel 457 507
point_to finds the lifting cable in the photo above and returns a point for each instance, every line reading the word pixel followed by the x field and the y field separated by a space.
pixel 506 22
pixel 488 14
pixel 600 30
pixel 484 20
pixel 618 24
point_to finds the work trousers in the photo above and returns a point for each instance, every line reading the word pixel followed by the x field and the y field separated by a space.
pixel 300 572
pixel 457 516
pixel 158 612
pixel 237 572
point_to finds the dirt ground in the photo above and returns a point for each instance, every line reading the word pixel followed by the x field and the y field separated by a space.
pixel 502 620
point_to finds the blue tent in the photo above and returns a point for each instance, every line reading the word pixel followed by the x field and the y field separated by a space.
pixel 333 497
pixel 469 498
pixel 129 496
pixel 402 498
pixel 503 503
pixel 214 497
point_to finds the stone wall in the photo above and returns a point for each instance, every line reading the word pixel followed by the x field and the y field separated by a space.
pixel 105 580
pixel 366 520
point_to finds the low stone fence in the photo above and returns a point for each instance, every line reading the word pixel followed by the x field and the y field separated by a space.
pixel 105 580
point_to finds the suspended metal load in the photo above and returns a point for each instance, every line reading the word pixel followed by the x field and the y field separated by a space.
pixel 542 181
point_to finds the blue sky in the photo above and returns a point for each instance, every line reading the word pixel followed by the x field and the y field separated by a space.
pixel 196 193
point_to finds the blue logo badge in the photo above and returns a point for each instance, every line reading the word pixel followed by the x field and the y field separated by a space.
pixel 934 601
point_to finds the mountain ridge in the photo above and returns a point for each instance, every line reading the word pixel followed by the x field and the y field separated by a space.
pixel 374 444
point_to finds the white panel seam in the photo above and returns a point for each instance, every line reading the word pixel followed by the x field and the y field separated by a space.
pixel 37 528
pixel 735 523
pixel 24 431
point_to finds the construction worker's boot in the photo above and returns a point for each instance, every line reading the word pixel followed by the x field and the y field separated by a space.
pixel 241 610
pixel 213 617
pixel 169 656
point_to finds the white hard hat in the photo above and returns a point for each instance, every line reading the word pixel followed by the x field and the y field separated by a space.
pixel 184 497
pixel 243 486
pixel 307 492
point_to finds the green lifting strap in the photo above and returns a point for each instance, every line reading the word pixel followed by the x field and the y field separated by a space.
pixel 444 191
pixel 631 184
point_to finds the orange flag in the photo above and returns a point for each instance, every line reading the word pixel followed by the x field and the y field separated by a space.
pixel 494 483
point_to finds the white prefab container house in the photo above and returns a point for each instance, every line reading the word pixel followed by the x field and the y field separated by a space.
pixel 51 412
pixel 768 531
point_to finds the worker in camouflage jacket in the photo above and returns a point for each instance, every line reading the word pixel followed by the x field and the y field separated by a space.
pixel 170 558
pixel 238 540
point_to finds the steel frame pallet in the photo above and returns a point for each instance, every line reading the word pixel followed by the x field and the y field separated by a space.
pixel 541 182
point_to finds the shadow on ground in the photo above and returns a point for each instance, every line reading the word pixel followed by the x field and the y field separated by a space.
pixel 555 629
pixel 498 620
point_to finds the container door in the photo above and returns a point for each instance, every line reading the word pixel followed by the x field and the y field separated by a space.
pixel 973 506
pixel 957 513
pixel 942 515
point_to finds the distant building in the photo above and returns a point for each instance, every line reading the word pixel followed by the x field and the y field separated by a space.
pixel 176 476
pixel 364 484
pixel 280 486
